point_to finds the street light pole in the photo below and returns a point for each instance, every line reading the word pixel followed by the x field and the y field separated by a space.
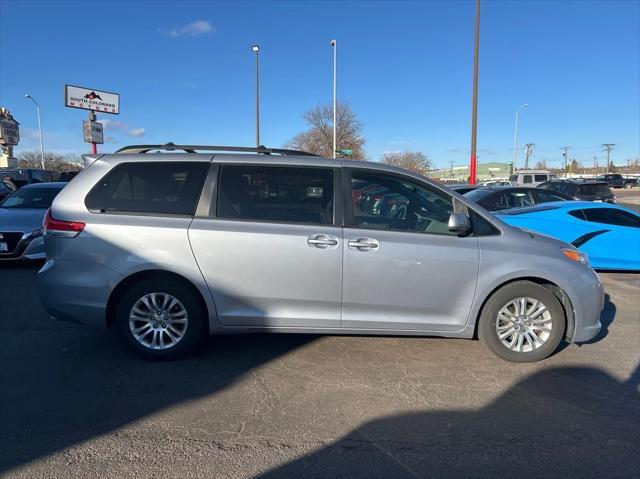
pixel 515 134
pixel 334 44
pixel 39 129
pixel 256 50
pixel 474 115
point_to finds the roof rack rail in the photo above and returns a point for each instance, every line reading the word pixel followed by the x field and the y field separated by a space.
pixel 135 149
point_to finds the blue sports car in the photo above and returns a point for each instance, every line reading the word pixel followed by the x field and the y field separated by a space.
pixel 609 234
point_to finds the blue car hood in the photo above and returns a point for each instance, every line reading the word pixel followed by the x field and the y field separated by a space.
pixel 20 220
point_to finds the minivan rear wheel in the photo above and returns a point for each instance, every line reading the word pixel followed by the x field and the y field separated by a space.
pixel 522 322
pixel 160 318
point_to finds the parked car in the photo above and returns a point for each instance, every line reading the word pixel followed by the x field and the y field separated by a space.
pixel 463 188
pixel 630 182
pixel 27 176
pixel 496 183
pixel 530 177
pixel 67 176
pixel 609 234
pixel 21 216
pixel 6 188
pixel 614 180
pixel 497 198
pixel 583 190
pixel 169 248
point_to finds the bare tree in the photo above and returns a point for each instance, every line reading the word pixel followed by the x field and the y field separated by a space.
pixel 541 165
pixel 52 161
pixel 415 161
pixel 318 138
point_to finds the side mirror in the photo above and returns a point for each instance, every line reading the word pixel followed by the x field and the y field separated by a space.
pixel 459 224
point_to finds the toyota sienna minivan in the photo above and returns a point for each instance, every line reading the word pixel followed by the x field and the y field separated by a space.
pixel 169 243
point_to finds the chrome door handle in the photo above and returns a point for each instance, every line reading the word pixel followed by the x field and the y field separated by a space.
pixel 322 241
pixel 364 244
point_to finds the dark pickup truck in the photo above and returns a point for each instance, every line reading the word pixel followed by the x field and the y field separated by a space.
pixel 616 180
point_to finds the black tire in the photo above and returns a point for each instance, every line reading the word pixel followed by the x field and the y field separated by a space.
pixel 521 289
pixel 196 325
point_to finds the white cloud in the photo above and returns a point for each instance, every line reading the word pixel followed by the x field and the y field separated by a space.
pixel 136 132
pixel 193 29
pixel 113 125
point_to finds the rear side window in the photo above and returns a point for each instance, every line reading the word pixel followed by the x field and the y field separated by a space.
pixel 545 196
pixel 612 216
pixel 540 177
pixel 594 189
pixel 527 179
pixel 149 187
pixel 276 194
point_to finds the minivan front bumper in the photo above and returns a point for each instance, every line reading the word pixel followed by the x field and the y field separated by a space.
pixel 77 290
pixel 588 303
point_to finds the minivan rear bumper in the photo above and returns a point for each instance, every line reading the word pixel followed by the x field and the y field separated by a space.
pixel 77 290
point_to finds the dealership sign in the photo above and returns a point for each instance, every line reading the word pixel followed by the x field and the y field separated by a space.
pixel 89 99
pixel 9 129
pixel 93 132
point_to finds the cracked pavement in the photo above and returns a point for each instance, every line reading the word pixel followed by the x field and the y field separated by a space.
pixel 75 403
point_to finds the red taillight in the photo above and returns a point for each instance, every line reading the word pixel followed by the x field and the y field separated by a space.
pixel 54 227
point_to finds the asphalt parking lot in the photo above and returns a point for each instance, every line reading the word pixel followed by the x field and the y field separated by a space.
pixel 77 404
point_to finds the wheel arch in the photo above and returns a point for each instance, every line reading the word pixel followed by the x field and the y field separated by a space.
pixel 557 291
pixel 128 281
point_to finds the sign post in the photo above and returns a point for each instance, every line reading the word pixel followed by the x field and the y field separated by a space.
pixel 94 101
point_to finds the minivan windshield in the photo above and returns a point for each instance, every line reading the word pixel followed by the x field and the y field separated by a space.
pixel 31 198
pixel 594 189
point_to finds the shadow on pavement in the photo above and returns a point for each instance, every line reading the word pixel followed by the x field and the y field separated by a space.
pixel 561 422
pixel 61 384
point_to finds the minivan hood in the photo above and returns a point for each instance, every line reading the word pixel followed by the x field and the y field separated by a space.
pixel 20 220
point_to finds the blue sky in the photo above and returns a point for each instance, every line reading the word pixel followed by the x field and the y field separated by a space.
pixel 185 72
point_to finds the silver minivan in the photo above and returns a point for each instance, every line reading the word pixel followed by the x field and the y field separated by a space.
pixel 170 243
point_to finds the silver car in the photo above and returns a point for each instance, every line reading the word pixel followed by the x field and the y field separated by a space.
pixel 170 247
pixel 21 216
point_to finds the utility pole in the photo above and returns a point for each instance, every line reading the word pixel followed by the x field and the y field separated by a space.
pixel 451 169
pixel 334 45
pixel 608 147
pixel 628 161
pixel 474 115
pixel 256 49
pixel 564 158
pixel 595 166
pixel 527 154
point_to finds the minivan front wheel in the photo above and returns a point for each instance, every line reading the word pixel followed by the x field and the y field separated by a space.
pixel 160 319
pixel 522 322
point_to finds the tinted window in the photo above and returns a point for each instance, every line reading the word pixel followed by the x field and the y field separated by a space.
pixel 272 193
pixel 37 176
pixel 540 178
pixel 145 187
pixel 597 189
pixel 545 196
pixel 34 198
pixel 578 214
pixel 391 203
pixel 513 199
pixel 612 216
pixel 551 185
pixel 513 178
pixel 527 179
